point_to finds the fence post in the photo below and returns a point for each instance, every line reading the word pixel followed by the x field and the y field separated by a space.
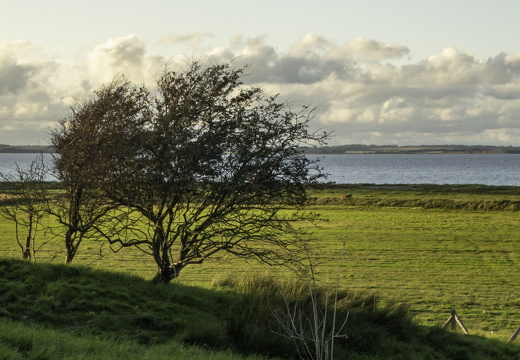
pixel 515 334
pixel 454 320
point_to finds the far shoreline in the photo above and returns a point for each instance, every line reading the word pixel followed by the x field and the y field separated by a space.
pixel 25 149
pixel 353 149
pixel 420 149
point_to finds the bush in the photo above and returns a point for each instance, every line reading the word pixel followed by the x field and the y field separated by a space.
pixel 254 323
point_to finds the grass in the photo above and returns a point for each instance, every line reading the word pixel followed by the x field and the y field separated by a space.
pixel 433 248
pixel 22 341
pixel 71 312
pixel 435 259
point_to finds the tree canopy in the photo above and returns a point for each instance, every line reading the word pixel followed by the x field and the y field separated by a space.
pixel 199 165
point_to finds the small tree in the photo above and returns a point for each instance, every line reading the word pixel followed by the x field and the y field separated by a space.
pixel 79 212
pixel 80 145
pixel 204 165
pixel 23 202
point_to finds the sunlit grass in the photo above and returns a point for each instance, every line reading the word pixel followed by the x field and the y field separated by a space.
pixel 435 260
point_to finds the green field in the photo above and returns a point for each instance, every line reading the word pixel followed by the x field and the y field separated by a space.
pixel 435 248
pixel 434 259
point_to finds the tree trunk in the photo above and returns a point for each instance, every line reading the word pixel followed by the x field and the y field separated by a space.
pixel 26 252
pixel 70 246
pixel 165 275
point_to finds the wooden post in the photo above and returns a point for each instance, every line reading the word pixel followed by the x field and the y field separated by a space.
pixel 454 320
pixel 515 334
pixel 461 324
pixel 449 321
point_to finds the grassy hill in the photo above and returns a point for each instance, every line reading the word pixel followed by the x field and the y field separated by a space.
pixel 71 312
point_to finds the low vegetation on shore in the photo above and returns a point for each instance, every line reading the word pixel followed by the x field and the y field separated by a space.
pixel 341 149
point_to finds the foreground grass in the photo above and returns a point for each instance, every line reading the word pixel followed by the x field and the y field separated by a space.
pixel 23 341
pixel 435 248
pixel 66 312
pixel 69 312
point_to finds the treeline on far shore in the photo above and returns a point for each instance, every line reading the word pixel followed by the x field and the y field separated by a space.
pixel 341 149
pixel 36 149
pixel 421 149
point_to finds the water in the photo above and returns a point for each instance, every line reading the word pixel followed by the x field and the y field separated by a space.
pixel 485 169
pixel 9 161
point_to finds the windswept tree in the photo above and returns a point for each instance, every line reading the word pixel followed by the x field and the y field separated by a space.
pixel 22 200
pixel 81 141
pixel 200 165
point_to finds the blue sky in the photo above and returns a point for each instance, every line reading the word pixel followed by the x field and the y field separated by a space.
pixel 379 72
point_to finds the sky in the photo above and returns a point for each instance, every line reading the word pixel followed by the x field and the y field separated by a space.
pixel 402 72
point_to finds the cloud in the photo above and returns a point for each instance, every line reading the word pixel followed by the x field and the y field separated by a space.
pixel 14 75
pixel 373 50
pixel 122 56
pixel 28 99
pixel 306 62
pixel 365 90
pixel 449 93
pixel 194 40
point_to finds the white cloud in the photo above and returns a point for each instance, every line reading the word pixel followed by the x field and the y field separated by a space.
pixel 310 47
pixel 373 50
pixel 14 74
pixel 28 101
pixel 194 40
pixel 122 56
pixel 360 93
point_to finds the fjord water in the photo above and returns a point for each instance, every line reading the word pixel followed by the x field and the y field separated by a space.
pixel 485 169
pixel 9 161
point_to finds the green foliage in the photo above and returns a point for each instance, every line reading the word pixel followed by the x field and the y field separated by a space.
pixel 255 322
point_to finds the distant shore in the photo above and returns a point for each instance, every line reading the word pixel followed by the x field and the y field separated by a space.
pixel 340 149
pixel 25 149
pixel 421 149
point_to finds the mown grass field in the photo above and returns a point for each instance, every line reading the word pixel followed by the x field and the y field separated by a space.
pixel 448 256
pixel 435 248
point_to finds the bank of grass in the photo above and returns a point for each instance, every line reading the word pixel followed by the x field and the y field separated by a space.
pixel 443 197
pixel 429 247
pixel 26 341
pixel 70 312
